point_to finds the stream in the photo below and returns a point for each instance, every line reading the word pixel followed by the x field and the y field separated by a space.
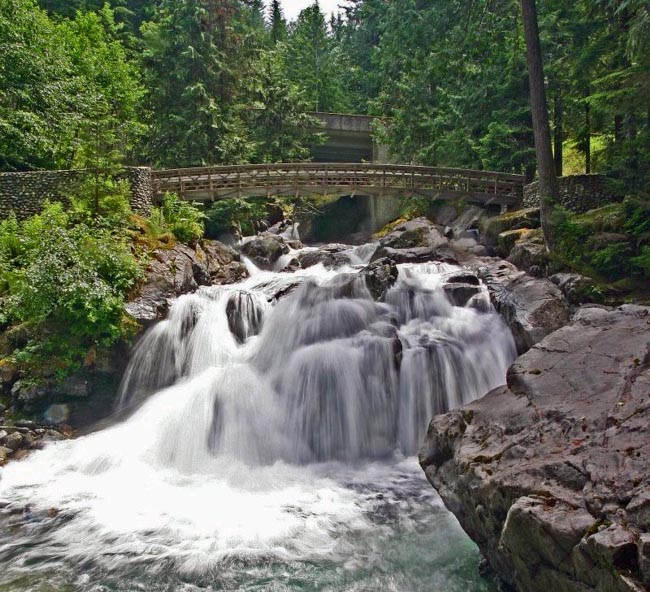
pixel 265 440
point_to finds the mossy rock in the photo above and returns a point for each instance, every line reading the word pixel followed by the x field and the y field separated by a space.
pixel 508 239
pixel 530 253
pixel 493 227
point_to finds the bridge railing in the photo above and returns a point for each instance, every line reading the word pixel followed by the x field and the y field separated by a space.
pixel 235 180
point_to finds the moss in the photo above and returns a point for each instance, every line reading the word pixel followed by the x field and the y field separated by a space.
pixel 608 243
pixel 389 228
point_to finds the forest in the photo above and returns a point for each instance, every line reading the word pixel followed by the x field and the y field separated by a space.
pixel 426 372
pixel 167 83
pixel 94 85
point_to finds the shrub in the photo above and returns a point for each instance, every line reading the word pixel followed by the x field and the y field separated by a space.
pixel 579 243
pixel 241 215
pixel 67 283
pixel 181 218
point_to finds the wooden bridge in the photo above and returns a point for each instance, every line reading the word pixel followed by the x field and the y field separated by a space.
pixel 221 182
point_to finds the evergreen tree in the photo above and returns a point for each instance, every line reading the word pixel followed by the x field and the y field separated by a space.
pixel 194 59
pixel 548 186
pixel 277 23
pixel 312 61
pixel 282 129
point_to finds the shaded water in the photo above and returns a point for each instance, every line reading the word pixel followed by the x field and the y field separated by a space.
pixel 269 446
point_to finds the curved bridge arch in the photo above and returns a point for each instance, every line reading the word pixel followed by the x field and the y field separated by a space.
pixel 223 182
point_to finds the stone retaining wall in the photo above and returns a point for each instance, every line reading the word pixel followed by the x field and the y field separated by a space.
pixel 578 193
pixel 25 193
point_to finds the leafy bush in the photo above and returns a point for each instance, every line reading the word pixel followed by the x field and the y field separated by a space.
pixel 181 218
pixel 67 283
pixel 611 242
pixel 101 200
pixel 241 215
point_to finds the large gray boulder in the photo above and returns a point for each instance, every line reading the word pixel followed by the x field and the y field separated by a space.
pixel 533 308
pixel 491 228
pixel 181 270
pixel 415 241
pixel 264 250
pixel 550 475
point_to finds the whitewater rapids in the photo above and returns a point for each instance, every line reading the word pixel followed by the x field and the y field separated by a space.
pixel 268 445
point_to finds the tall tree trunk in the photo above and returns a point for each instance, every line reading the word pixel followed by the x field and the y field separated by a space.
pixel 558 135
pixel 587 139
pixel 548 186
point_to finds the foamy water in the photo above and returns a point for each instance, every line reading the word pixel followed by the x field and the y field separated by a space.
pixel 268 447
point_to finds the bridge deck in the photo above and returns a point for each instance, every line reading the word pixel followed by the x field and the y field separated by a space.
pixel 209 183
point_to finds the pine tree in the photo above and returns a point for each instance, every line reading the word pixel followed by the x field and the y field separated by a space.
pixel 277 22
pixel 193 62
pixel 548 186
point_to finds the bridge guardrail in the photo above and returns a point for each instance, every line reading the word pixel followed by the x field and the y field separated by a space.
pixel 224 181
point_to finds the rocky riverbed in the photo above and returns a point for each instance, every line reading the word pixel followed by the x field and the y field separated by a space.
pixel 549 474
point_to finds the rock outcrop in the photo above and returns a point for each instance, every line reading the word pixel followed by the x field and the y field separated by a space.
pixel 264 249
pixel 532 308
pixel 491 228
pixel 415 241
pixel 181 270
pixel 19 438
pixel 550 475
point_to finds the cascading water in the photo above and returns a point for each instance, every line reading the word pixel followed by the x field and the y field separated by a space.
pixel 269 446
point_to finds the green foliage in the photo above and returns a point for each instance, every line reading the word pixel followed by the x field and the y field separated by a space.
pixel 240 215
pixel 610 243
pixel 101 200
pixel 68 95
pixel 195 53
pixel 181 218
pixel 313 62
pixel 67 282
pixel 282 130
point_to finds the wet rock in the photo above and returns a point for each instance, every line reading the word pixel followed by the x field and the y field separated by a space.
pixel 491 228
pixel 412 234
pixel 310 258
pixel 460 294
pixel 464 278
pixel 25 423
pixel 223 263
pixel 529 253
pixel 532 308
pixel 264 250
pixel 76 387
pixel 550 474
pixel 578 289
pixel 380 277
pixel 181 270
pixel 244 316
pixel 415 255
pixel 13 441
pixel 25 391
pixel 507 240
pixel 5 453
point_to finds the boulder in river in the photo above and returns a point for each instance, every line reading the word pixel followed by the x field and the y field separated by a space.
pixel 532 308
pixel 181 270
pixel 380 277
pixel 265 249
pixel 550 475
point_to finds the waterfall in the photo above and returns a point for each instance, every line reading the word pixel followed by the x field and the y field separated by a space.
pixel 326 373
pixel 238 404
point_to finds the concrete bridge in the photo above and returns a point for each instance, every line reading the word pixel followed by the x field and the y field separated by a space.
pixel 348 138
pixel 377 180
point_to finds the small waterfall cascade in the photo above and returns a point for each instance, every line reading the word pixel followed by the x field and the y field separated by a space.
pixel 326 373
pixel 245 408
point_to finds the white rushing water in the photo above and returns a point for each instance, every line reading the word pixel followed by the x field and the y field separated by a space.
pixel 268 446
